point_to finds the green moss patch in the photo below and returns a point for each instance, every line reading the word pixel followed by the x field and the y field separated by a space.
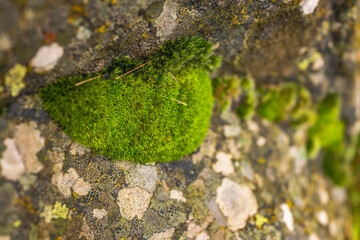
pixel 159 112
pixel 328 133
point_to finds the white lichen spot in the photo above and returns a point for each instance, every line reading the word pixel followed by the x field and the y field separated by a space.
pixel 202 236
pixel 77 149
pixel 65 182
pixel 236 202
pixel 81 187
pixel 12 166
pixel 308 6
pixel 208 147
pixel 322 217
pixel 287 217
pixel 165 235
pixel 261 141
pixel 247 170
pixel 83 33
pixel 99 213
pixel 14 79
pixel 177 195
pixel 47 57
pixel 223 164
pixel 234 147
pixel 133 202
pixel 231 131
pixel 193 229
pixel 314 236
pixel 252 126
pixel 166 22
pixel 5 237
pixel 142 176
pixel 5 43
pixel 29 142
pixel 20 153
pixel 86 232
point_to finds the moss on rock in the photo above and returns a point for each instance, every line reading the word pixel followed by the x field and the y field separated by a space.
pixel 160 112
pixel 272 45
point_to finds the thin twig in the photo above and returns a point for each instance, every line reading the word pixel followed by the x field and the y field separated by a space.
pixel 89 163
pixel 179 102
pixel 88 80
pixel 134 69
pixel 173 76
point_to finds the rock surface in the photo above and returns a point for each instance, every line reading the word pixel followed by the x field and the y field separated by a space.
pixel 249 179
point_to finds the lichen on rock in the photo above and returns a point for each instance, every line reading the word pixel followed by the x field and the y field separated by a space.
pixel 237 203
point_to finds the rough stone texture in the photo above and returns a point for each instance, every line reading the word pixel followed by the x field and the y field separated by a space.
pixel 44 173
pixel 237 203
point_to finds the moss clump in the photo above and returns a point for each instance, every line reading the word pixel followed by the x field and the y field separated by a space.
pixel 276 103
pixel 160 112
pixel 272 45
pixel 328 134
pixel 248 98
pixel 225 89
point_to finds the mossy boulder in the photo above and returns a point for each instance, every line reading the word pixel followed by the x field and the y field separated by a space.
pixel 160 112
pixel 272 45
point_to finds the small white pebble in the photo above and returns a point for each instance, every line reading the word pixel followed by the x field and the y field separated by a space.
pixel 47 57
pixel 203 236
pixel 261 141
pixel 177 195
pixel 308 6
pixel 231 131
pixel 223 164
pixel 323 195
pixel 313 236
pixel 252 126
pixel 287 217
pixel 322 217
pixel 99 213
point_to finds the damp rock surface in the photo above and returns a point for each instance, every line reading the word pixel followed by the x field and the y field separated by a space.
pixel 251 177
